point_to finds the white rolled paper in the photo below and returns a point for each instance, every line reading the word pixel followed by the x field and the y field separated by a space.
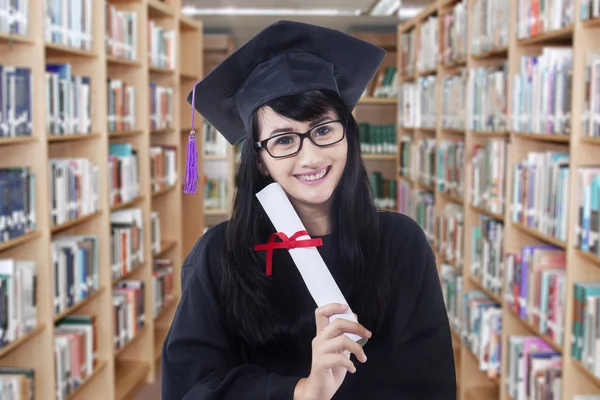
pixel 308 260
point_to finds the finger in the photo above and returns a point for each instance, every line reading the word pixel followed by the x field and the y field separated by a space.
pixel 323 313
pixel 341 326
pixel 340 344
pixel 329 361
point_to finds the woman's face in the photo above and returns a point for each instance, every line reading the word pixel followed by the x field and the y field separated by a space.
pixel 310 177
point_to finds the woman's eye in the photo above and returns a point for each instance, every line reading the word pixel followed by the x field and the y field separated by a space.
pixel 284 140
pixel 323 131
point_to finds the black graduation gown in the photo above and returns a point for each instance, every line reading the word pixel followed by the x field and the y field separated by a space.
pixel 411 357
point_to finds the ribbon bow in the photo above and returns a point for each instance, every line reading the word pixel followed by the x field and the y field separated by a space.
pixel 286 243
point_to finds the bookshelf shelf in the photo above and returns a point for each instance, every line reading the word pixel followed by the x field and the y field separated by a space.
pixel 15 39
pixel 129 344
pixel 23 340
pixel 540 236
pixel 540 137
pixel 481 287
pixel 523 280
pixel 162 192
pixel 112 60
pixel 26 238
pixel 17 141
pixel 590 140
pixel 552 37
pixel 121 134
pixel 73 137
pixel 165 247
pixel 129 274
pixel 591 23
pixel 587 373
pixel 157 9
pixel 128 204
pixel 500 52
pixel 487 213
pixel 79 157
pixel 592 258
pixel 379 157
pixel 58 50
pixel 527 325
pixel 95 374
pixel 377 101
pixel 166 309
pixel 74 222
pixel 79 305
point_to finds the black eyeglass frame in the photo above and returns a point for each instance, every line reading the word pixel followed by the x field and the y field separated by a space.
pixel 263 143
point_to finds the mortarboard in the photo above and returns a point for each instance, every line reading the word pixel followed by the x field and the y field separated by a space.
pixel 286 58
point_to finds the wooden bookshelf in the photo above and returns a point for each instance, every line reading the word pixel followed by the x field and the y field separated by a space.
pixel 117 373
pixel 581 36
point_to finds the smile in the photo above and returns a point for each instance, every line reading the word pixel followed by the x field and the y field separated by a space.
pixel 313 178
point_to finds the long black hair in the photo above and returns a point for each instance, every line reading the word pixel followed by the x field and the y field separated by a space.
pixel 266 310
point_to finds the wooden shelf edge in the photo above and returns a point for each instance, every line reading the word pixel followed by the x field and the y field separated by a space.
pixel 215 212
pixel 493 215
pixel 60 48
pixel 167 307
pixel 21 240
pixel 128 274
pixel 451 197
pixel 15 38
pixel 536 332
pixel 492 295
pixel 494 53
pixel 131 341
pixel 127 204
pixel 538 235
pixel 119 134
pixel 493 379
pixel 99 368
pixel 74 222
pixel 53 138
pixel 586 255
pixel 165 247
pixel 589 374
pixel 542 137
pixel 15 344
pixel 378 100
pixel 379 157
pixel 79 305
pixel 558 34
pixel 110 59
pixel 13 141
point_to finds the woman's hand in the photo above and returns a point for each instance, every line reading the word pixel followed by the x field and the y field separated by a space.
pixel 331 351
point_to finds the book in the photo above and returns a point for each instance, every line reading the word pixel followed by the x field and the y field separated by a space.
pixel 540 193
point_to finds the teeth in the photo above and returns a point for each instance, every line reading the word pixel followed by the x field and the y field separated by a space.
pixel 313 177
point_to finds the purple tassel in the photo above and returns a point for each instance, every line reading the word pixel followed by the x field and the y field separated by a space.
pixel 191 165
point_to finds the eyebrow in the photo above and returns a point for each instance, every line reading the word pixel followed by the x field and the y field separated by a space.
pixel 313 123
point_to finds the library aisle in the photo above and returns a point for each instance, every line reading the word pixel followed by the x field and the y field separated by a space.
pixel 482 124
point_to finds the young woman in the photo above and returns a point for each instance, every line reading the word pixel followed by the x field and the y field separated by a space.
pixel 239 333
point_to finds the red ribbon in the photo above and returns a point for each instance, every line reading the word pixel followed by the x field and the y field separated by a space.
pixel 286 243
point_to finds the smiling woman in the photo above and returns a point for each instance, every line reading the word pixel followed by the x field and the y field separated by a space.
pixel 241 333
pixel 308 165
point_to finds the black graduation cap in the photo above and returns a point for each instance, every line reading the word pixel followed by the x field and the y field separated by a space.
pixel 285 58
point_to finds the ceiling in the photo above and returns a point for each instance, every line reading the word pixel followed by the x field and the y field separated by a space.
pixel 244 28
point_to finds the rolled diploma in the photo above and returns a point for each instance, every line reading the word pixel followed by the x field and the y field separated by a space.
pixel 316 275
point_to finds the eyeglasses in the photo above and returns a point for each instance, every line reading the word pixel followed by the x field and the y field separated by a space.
pixel 290 143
